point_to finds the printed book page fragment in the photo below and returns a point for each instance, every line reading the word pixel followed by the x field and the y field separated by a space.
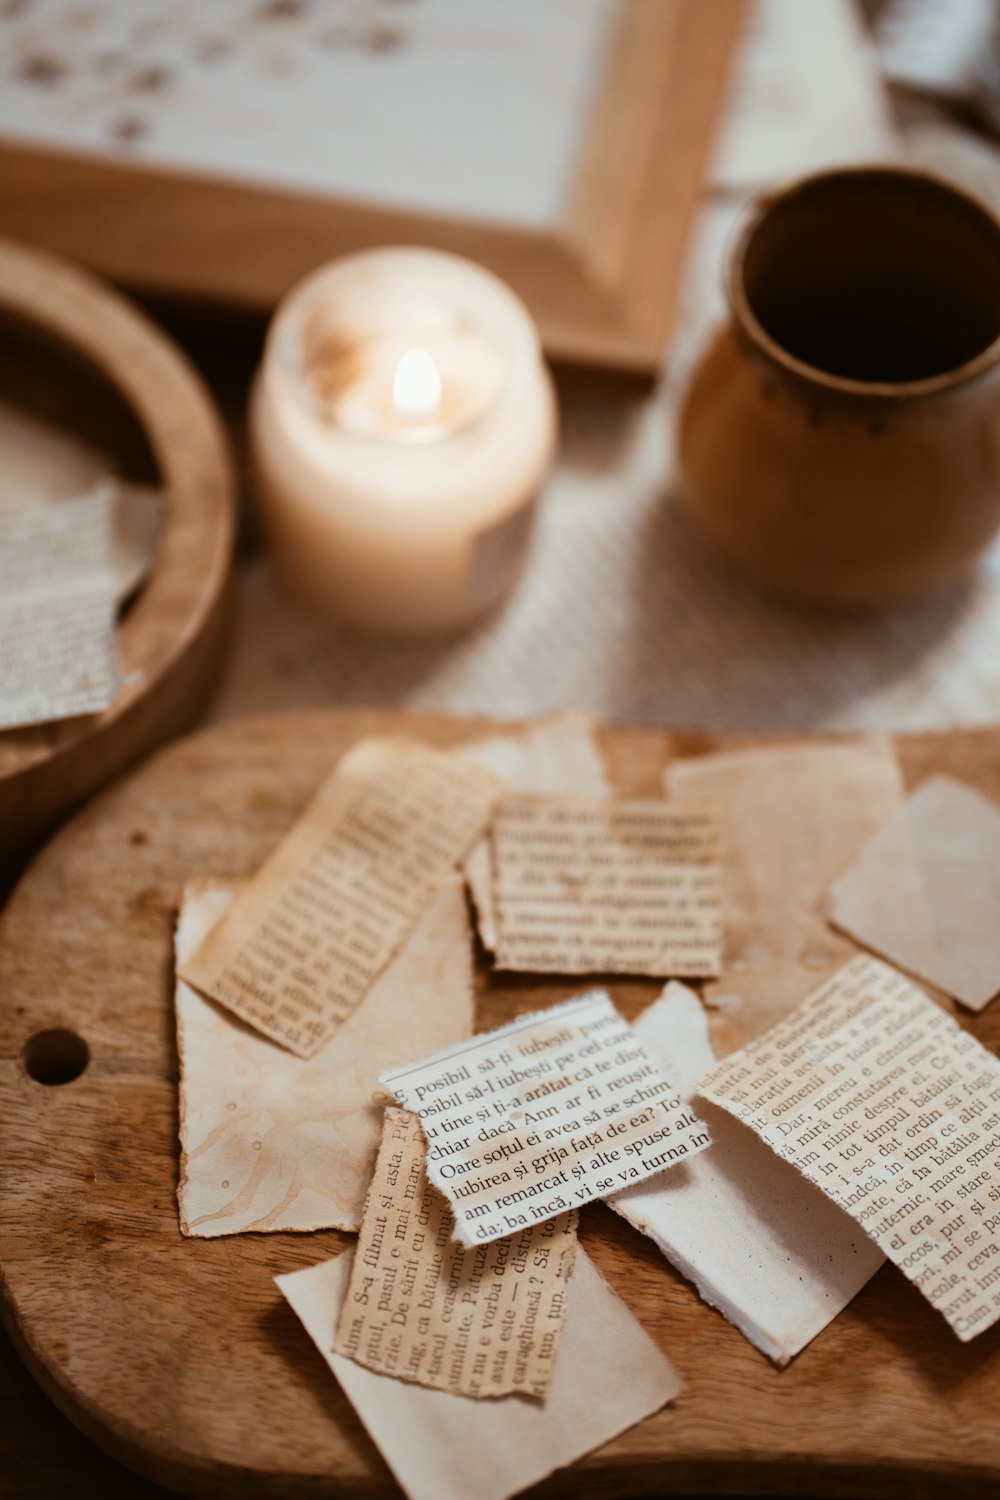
pixel 609 1376
pixel 58 605
pixel 925 892
pixel 558 756
pixel 759 1241
pixel 589 886
pixel 543 1115
pixel 885 1103
pixel 305 938
pixel 482 1322
pixel 272 1141
pixel 791 820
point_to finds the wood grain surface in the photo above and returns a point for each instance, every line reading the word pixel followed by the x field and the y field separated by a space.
pixel 78 354
pixel 181 1358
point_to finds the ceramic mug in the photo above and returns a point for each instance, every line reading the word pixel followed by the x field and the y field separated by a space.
pixel 840 439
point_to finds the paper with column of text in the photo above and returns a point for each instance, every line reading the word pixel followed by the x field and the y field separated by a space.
pixel 329 907
pixel 925 892
pixel 543 1115
pixel 609 1376
pixel 482 1322
pixel 884 1102
pixel 58 606
pixel 594 886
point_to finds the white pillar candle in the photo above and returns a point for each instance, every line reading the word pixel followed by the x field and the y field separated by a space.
pixel 401 424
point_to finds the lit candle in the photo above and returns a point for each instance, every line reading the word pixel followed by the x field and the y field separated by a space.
pixel 402 422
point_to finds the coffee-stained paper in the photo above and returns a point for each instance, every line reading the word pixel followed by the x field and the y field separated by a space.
pixel 272 1141
pixel 482 1322
pixel 885 1103
pixel 589 886
pixel 791 818
pixel 328 908
pixel 547 1113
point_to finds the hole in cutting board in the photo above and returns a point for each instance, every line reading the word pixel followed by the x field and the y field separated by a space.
pixel 54 1057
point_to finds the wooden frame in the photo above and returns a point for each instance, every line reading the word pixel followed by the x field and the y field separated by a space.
pixel 603 284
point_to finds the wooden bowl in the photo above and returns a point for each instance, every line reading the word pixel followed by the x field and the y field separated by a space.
pixel 73 351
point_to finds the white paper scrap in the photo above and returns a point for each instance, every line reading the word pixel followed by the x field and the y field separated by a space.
pixel 551 1111
pixel 759 1241
pixel 877 1096
pixel 609 1376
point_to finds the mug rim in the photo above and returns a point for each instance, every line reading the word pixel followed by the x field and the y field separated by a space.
pixel 763 204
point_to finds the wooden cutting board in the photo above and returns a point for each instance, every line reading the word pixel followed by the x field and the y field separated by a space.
pixel 182 1359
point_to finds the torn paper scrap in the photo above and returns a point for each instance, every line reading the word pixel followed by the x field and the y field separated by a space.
pixel 885 1103
pixel 759 1241
pixel 270 1141
pixel 925 892
pixel 595 886
pixel 544 1114
pixel 557 756
pixel 482 1322
pixel 791 820
pixel 609 1376
pixel 58 600
pixel 330 905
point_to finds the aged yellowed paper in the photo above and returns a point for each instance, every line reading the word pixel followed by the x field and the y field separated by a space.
pixel 544 1114
pixel 792 818
pixel 328 908
pixel 609 1375
pixel 272 1141
pixel 482 1322
pixel 557 756
pixel 759 1241
pixel 885 1103
pixel 925 892
pixel 595 886
pixel 58 603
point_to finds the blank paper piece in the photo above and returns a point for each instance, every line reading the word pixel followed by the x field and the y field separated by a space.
pixel 593 886
pixel 791 820
pixel 482 1322
pixel 545 1114
pixel 609 1376
pixel 270 1141
pixel 305 938
pixel 58 604
pixel 759 1241
pixel 558 756
pixel 885 1103
pixel 925 892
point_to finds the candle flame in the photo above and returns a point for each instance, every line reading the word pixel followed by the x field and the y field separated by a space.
pixel 416 386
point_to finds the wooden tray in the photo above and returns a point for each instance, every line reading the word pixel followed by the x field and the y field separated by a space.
pixel 73 351
pixel 182 1359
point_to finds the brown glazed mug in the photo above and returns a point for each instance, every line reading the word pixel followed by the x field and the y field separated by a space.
pixel 840 439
